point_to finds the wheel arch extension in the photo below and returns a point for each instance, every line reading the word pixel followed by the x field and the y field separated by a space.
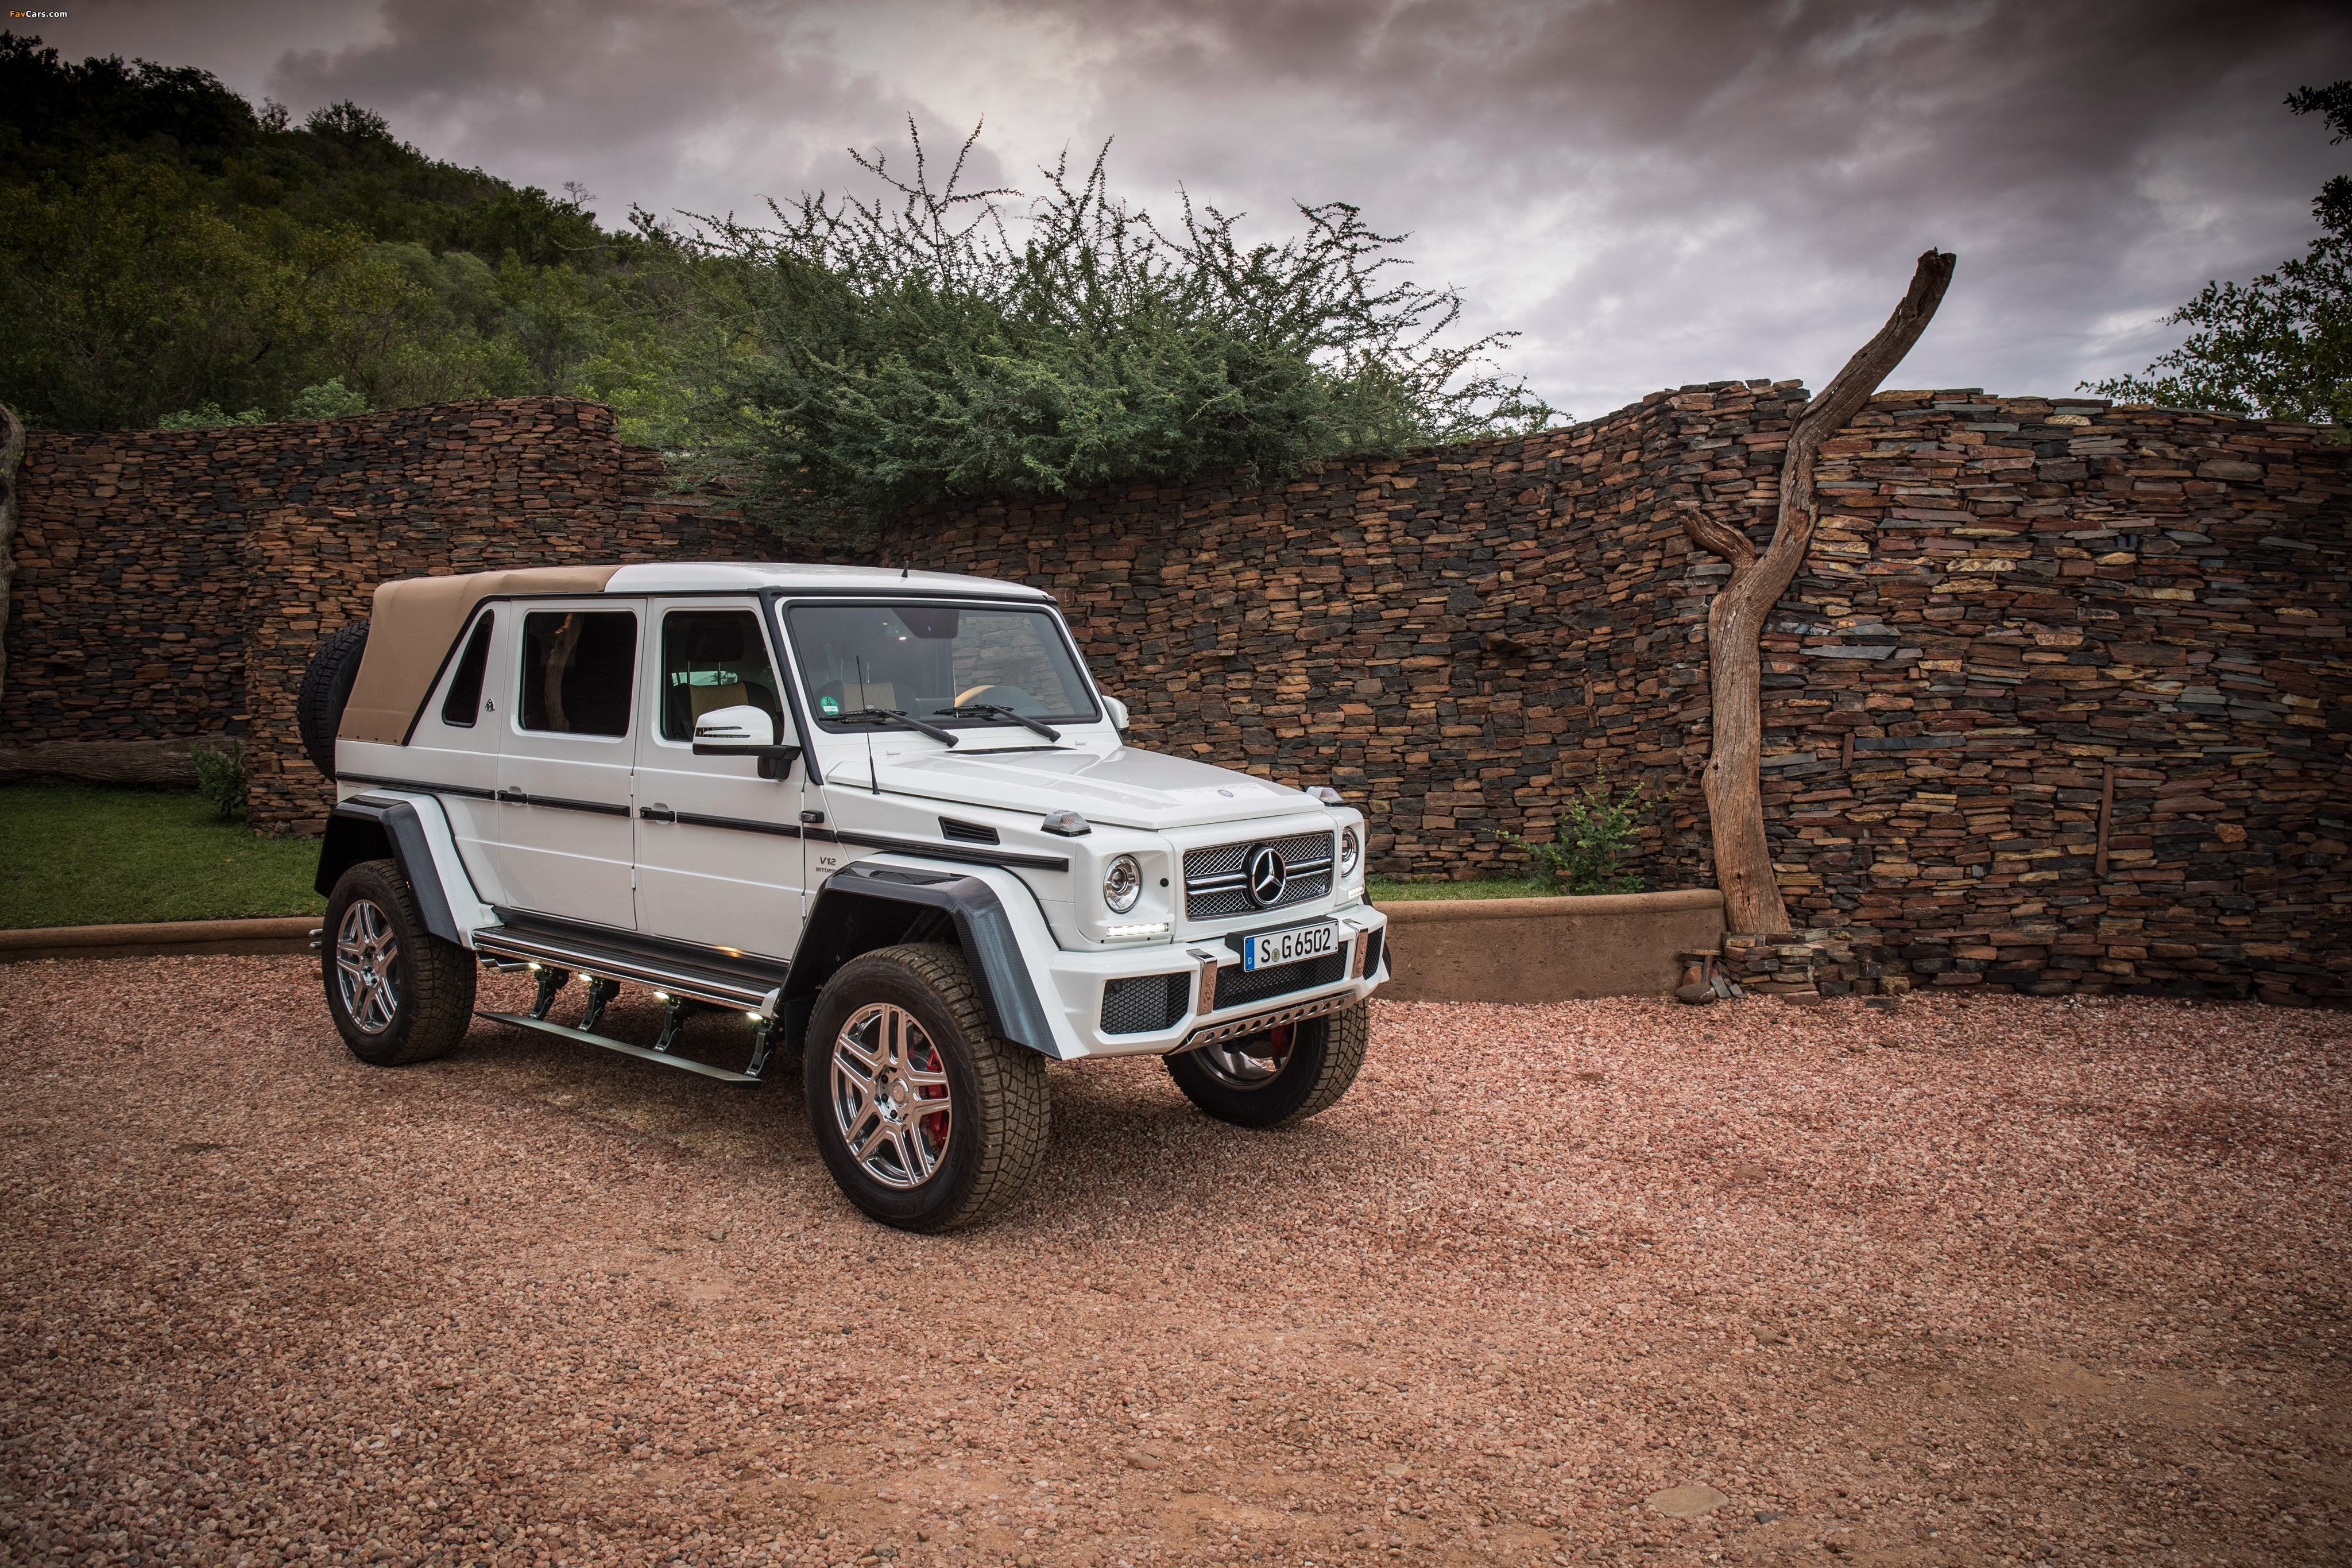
pixel 861 908
pixel 364 829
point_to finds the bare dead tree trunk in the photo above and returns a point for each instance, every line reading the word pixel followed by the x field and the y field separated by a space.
pixel 12 451
pixel 1734 620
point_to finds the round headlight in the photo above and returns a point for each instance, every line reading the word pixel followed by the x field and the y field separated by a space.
pixel 1351 850
pixel 1122 884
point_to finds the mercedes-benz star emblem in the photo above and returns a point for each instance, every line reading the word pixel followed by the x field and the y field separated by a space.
pixel 1267 875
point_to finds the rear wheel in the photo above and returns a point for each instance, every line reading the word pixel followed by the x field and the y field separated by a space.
pixel 1281 1076
pixel 397 993
pixel 926 1119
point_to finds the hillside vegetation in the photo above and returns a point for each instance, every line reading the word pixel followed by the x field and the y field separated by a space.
pixel 171 256
pixel 164 247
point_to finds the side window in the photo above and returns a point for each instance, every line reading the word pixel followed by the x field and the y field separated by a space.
pixel 714 659
pixel 576 669
pixel 464 702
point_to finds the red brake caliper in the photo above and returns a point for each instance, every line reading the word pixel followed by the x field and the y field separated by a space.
pixel 928 1121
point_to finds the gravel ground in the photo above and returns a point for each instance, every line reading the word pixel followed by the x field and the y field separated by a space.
pixel 1969 1282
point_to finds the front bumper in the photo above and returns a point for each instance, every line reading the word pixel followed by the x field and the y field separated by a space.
pixel 1080 982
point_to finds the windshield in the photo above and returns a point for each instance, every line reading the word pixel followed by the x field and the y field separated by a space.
pixel 927 660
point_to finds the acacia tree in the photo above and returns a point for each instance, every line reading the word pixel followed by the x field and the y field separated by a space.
pixel 1734 620
pixel 866 355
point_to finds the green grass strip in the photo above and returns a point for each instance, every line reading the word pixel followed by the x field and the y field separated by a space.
pixel 1381 891
pixel 83 855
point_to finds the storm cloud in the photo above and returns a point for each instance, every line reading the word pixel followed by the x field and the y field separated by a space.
pixel 1653 193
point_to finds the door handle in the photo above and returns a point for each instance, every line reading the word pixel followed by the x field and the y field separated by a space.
pixel 513 797
pixel 657 814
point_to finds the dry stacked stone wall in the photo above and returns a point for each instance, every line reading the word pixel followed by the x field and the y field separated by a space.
pixel 2059 703
pixel 173 583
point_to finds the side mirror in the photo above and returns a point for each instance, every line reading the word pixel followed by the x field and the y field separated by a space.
pixel 744 726
pixel 1117 713
pixel 744 731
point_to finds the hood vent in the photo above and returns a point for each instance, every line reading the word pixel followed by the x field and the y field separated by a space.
pixel 968 832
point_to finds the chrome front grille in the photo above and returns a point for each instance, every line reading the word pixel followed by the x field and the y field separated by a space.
pixel 1217 880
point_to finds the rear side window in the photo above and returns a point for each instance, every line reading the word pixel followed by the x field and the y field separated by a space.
pixel 464 698
pixel 577 669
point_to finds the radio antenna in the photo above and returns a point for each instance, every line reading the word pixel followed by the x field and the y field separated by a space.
pixel 873 779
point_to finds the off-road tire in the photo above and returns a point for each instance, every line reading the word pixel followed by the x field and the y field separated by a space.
pixel 326 688
pixel 1001 1105
pixel 1325 1055
pixel 433 978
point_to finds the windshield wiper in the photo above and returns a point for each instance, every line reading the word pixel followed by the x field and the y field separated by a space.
pixel 892 715
pixel 998 711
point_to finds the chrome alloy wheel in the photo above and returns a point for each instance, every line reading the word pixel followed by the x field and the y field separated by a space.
pixel 890 1095
pixel 1250 1064
pixel 366 951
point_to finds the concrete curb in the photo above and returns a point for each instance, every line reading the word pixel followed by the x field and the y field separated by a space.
pixel 160 938
pixel 1440 950
pixel 1446 911
pixel 1546 949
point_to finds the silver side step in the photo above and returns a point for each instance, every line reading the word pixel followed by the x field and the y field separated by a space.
pixel 681 979
pixel 645 1053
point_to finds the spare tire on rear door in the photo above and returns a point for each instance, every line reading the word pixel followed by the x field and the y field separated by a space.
pixel 326 687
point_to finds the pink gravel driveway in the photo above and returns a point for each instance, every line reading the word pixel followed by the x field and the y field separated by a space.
pixel 1970 1282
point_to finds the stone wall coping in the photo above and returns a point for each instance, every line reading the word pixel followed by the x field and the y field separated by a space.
pixel 1442 910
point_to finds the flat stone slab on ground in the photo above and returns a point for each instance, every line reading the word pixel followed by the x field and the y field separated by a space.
pixel 1686 1502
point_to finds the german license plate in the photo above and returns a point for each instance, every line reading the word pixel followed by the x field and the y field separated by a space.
pixel 1296 946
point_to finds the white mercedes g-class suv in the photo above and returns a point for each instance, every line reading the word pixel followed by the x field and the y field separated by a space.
pixel 885 815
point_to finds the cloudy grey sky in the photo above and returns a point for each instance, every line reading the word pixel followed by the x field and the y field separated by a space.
pixel 1655 192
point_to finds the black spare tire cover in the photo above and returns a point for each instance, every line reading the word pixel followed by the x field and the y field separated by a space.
pixel 326 687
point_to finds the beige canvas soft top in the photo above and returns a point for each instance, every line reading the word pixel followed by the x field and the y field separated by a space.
pixel 414 621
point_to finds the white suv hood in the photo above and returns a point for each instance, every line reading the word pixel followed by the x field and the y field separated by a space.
pixel 1122 788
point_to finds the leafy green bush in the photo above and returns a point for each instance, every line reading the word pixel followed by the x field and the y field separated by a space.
pixel 1596 830
pixel 210 416
pixel 868 356
pixel 220 775
pixel 329 399
pixel 2281 346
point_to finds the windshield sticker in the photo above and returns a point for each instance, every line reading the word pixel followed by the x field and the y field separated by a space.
pixel 829 705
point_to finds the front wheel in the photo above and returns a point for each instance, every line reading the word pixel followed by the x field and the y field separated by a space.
pixel 397 993
pixel 926 1119
pixel 1284 1075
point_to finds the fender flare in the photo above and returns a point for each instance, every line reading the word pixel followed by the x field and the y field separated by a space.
pixel 367 828
pixel 862 907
